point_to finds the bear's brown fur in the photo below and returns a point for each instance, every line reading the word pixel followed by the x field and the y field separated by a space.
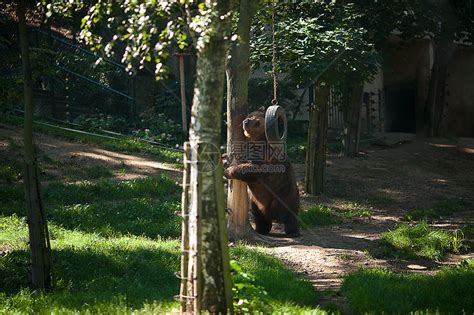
pixel 271 180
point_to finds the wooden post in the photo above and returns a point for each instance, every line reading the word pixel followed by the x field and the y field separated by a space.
pixel 316 145
pixel 38 229
pixel 67 93
pixel 184 230
pixel 182 79
pixel 194 268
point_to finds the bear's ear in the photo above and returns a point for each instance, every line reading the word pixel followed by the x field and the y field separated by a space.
pixel 261 109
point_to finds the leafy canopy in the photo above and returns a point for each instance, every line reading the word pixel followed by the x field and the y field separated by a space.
pixel 145 33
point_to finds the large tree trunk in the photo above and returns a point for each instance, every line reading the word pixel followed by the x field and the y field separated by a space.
pixel 238 71
pixel 352 130
pixel 316 145
pixel 208 278
pixel 38 228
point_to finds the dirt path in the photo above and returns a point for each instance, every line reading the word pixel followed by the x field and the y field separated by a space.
pixel 58 156
pixel 390 181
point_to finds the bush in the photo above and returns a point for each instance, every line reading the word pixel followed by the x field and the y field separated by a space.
pixel 158 127
pixel 248 297
pixel 102 121
pixel 152 126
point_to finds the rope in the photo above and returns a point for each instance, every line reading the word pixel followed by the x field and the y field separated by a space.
pixel 274 74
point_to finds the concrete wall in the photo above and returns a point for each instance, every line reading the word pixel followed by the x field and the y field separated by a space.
pixel 409 67
pixel 458 115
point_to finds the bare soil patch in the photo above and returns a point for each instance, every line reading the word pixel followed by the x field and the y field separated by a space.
pixel 64 158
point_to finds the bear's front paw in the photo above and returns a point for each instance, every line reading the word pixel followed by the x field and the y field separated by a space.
pixel 228 173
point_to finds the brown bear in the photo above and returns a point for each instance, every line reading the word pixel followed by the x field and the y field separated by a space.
pixel 270 178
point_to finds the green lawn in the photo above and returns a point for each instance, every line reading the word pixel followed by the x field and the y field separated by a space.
pixel 319 214
pixel 379 291
pixel 116 249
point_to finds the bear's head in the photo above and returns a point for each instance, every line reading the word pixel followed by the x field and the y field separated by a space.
pixel 254 125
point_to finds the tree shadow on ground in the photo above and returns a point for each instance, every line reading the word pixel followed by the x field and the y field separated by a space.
pixel 109 208
pixel 279 281
pixel 380 291
pixel 87 277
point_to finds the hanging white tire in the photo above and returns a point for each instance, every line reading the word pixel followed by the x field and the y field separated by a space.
pixel 275 116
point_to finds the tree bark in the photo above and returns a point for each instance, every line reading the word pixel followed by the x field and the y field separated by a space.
pixel 209 282
pixel 444 48
pixel 38 229
pixel 238 72
pixel 440 78
pixel 317 139
pixel 352 130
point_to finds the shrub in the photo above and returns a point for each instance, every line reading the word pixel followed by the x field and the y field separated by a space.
pixel 248 297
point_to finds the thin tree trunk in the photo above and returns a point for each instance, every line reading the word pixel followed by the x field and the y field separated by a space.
pixel 424 122
pixel 238 71
pixel 352 130
pixel 444 48
pixel 209 282
pixel 37 226
pixel 440 98
pixel 317 139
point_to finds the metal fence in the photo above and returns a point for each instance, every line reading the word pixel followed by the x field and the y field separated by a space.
pixel 336 114
pixel 72 83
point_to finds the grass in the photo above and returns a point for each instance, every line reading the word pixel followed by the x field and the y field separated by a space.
pixel 93 273
pixel 116 250
pixel 353 210
pixel 317 215
pixel 443 208
pixel 320 214
pixel 420 240
pixel 378 291
pixel 11 166
pixel 280 283
pixel 121 274
pixel 71 171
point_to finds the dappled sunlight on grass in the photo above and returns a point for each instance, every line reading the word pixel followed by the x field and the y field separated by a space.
pixel 115 250
pixel 383 291
pixel 90 270
pixel 278 280
pixel 420 240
